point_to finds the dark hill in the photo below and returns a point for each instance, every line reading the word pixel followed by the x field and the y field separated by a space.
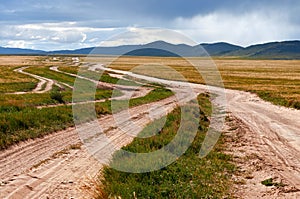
pixel 273 50
pixel 16 51
pixel 220 48
pixel 151 52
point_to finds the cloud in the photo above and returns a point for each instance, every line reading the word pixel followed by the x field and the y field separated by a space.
pixel 62 35
pixel 70 24
pixel 135 35
pixel 243 28
pixel 16 44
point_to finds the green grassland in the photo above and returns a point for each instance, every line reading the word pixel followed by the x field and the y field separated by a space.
pixel 21 116
pixel 100 75
pixel 44 71
pixel 11 81
pixel 19 123
pixel 187 177
pixel 43 99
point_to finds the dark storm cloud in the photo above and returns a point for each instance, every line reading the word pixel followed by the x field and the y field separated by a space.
pixel 28 20
pixel 81 10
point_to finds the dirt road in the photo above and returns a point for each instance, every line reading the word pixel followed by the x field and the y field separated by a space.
pixel 42 80
pixel 44 85
pixel 268 147
pixel 127 91
pixel 49 167
pixel 273 134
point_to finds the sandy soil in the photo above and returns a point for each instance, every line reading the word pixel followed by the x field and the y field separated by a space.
pixel 264 140
pixel 50 168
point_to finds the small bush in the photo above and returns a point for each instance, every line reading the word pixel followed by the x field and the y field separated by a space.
pixel 57 96
pixel 294 104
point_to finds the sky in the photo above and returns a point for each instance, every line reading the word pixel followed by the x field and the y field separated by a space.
pixel 73 24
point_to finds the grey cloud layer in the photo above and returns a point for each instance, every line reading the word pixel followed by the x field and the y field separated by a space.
pixel 80 23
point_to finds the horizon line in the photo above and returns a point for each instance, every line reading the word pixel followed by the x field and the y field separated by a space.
pixel 141 44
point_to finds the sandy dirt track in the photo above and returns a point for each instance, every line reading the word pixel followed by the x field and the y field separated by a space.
pixel 268 146
pixel 44 85
pixel 127 91
pixel 42 80
pixel 41 168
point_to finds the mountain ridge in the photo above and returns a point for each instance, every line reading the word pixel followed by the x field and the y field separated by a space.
pixel 270 50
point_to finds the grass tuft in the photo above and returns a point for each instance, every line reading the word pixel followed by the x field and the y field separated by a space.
pixel 269 182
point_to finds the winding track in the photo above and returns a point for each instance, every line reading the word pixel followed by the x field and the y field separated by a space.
pixel 42 80
pixel 275 134
pixel 128 92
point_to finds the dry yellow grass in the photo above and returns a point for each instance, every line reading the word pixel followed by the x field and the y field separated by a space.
pixel 274 80
pixel 9 63
pixel 17 60
pixel 11 81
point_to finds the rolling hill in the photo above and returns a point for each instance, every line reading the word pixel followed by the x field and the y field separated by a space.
pixel 219 49
pixel 273 50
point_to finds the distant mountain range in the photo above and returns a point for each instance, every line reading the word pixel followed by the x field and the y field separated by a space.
pixel 19 51
pixel 273 50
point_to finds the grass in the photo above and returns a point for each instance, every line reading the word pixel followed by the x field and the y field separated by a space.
pixel 11 81
pixel 28 123
pixel 269 182
pixel 43 99
pixel 187 177
pixel 277 99
pixel 105 77
pixel 21 120
pixel 85 113
pixel 154 95
pixel 277 81
pixel 44 71
pixel 17 87
pixel 20 123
